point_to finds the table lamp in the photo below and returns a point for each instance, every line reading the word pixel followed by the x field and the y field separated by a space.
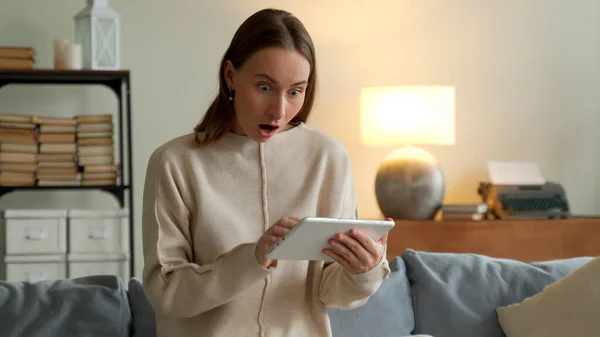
pixel 410 183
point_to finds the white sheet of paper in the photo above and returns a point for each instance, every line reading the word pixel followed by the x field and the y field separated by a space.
pixel 515 173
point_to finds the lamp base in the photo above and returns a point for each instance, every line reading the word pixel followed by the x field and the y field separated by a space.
pixel 410 184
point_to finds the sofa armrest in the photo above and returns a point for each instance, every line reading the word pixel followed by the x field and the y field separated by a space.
pixel 142 315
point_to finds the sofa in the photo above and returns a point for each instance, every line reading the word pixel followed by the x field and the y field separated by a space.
pixel 437 294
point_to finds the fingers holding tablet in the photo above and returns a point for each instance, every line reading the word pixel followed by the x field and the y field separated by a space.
pixel 369 244
pixel 348 252
pixel 271 237
pixel 356 251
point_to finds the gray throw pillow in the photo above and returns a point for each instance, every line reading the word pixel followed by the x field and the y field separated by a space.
pixel 89 306
pixel 143 317
pixel 457 294
pixel 388 312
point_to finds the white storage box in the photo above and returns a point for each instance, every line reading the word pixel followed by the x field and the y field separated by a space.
pixel 35 231
pixel 98 231
pixel 80 265
pixel 35 268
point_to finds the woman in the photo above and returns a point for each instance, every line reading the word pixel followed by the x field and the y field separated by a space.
pixel 216 200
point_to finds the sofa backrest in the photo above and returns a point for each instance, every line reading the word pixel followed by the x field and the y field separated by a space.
pixel 439 294
pixel 88 306
pixel 457 294
pixel 389 312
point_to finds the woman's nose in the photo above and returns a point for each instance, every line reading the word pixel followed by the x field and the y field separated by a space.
pixel 278 108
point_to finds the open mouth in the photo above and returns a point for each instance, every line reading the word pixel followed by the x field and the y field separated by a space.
pixel 266 128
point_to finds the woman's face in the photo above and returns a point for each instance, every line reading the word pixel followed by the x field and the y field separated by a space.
pixel 269 91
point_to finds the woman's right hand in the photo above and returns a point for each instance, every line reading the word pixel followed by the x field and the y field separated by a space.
pixel 271 237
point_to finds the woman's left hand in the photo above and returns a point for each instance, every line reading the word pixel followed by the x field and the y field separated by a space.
pixel 356 251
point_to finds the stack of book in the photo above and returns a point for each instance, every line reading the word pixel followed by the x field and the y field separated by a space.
pixel 57 151
pixel 95 150
pixel 56 155
pixel 18 150
pixel 464 212
pixel 16 57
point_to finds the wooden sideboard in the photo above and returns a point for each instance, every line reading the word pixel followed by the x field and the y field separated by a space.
pixel 524 240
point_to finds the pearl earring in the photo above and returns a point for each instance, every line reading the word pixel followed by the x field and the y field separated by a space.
pixel 230 95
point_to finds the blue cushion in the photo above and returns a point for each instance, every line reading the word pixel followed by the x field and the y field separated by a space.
pixel 143 317
pixel 388 312
pixel 457 294
pixel 88 306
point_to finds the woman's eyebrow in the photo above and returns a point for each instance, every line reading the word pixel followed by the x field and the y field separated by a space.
pixel 274 81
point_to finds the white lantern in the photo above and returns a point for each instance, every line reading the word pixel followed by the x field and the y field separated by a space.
pixel 97 31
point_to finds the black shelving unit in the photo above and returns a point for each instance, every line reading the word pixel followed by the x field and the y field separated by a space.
pixel 119 82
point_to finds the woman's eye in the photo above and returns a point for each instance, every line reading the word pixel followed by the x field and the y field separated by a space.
pixel 295 92
pixel 264 87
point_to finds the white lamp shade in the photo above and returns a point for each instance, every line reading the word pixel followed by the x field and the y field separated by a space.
pixel 402 115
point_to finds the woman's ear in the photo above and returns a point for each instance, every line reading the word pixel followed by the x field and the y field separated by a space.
pixel 229 74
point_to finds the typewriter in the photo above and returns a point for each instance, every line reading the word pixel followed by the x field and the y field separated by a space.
pixel 545 201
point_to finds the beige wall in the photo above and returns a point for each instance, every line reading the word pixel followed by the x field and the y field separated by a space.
pixel 527 75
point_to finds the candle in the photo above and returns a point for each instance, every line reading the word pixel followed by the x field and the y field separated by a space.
pixel 59 46
pixel 67 55
pixel 72 56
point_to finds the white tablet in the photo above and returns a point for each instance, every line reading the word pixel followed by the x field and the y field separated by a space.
pixel 307 239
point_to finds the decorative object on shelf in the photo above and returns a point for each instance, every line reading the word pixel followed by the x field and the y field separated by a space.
pixel 97 30
pixel 67 55
pixel 410 183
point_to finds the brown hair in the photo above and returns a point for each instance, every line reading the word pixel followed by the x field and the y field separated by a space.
pixel 266 28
